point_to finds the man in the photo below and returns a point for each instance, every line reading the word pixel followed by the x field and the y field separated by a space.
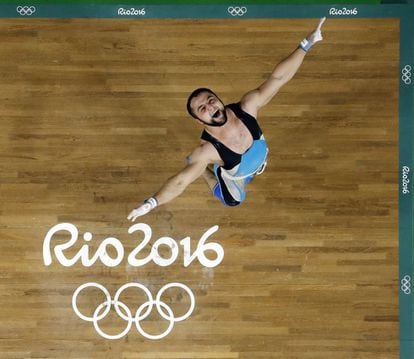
pixel 232 140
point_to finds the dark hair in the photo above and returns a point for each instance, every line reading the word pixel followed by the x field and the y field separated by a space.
pixel 195 93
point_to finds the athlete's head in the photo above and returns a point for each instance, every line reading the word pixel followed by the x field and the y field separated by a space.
pixel 205 106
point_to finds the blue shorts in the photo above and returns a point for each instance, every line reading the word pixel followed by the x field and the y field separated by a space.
pixel 231 184
pixel 230 192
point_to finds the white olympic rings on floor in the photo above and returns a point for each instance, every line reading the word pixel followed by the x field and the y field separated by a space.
pixel 26 10
pixel 237 10
pixel 406 74
pixel 406 284
pixel 163 309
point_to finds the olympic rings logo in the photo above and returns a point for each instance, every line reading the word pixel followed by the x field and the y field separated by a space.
pixel 406 284
pixel 406 74
pixel 237 10
pixel 26 10
pixel 143 311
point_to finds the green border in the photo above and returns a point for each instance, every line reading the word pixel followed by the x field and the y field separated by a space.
pixel 200 2
pixel 204 11
pixel 219 9
pixel 406 239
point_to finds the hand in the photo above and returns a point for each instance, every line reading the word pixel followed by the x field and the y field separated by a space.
pixel 148 205
pixel 316 35
pixel 313 37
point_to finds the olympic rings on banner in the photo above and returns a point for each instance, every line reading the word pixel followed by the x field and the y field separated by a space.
pixel 26 10
pixel 237 10
pixel 406 285
pixel 406 74
pixel 143 311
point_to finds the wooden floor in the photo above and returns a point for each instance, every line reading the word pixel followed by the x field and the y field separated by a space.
pixel 93 120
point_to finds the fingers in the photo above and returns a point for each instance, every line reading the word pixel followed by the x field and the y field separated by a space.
pixel 131 216
pixel 140 211
pixel 321 23
pixel 135 214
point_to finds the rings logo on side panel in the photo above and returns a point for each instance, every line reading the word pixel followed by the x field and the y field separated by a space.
pixel 26 10
pixel 406 74
pixel 406 285
pixel 237 10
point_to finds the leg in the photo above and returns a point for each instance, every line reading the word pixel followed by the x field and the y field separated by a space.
pixel 210 178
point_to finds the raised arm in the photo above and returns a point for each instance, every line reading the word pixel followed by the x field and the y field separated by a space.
pixel 176 185
pixel 282 73
pixel 179 182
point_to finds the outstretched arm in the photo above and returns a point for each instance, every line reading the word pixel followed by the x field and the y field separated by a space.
pixel 282 73
pixel 178 183
pixel 175 185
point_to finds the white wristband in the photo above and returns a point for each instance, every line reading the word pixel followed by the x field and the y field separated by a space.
pixel 152 201
pixel 305 45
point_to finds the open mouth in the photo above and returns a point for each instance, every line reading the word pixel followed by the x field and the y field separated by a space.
pixel 216 114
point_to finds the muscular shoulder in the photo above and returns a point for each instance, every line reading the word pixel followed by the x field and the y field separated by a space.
pixel 205 153
pixel 248 103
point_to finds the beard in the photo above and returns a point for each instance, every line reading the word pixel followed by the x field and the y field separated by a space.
pixel 215 121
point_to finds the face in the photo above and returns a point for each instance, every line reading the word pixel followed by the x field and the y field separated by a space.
pixel 209 109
